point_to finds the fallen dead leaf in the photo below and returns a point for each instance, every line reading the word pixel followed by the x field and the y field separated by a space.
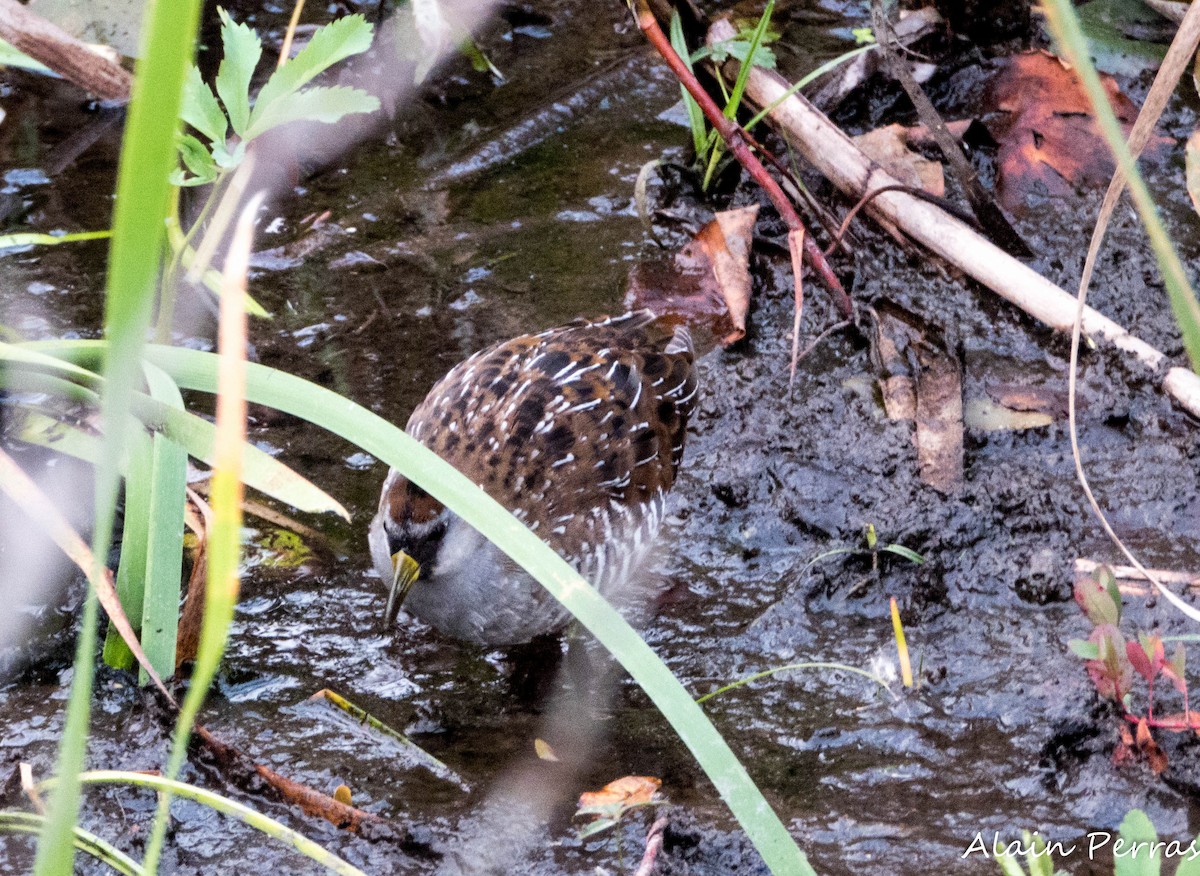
pixel 939 419
pixel 921 380
pixel 888 147
pixel 1047 134
pixel 1192 165
pixel 1156 758
pixel 543 750
pixel 709 280
pixel 626 791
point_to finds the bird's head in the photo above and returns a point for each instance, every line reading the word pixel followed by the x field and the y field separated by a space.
pixel 406 536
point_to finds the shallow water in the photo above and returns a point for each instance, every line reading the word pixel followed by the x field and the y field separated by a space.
pixel 1004 732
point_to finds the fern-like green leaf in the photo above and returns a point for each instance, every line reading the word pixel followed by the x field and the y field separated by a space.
pixel 242 49
pixel 321 104
pixel 201 110
pixel 332 43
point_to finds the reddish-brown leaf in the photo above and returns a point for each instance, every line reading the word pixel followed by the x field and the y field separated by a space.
pixel 1141 663
pixel 1047 133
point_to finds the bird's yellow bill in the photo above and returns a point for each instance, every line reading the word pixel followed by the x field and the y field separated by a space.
pixel 404 572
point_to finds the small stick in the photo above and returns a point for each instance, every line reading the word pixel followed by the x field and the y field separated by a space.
pixel 737 142
pixel 654 841
pixel 50 44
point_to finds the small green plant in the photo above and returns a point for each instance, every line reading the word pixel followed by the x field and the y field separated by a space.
pixel 749 47
pixel 750 43
pixel 872 549
pixel 282 100
pixel 1114 665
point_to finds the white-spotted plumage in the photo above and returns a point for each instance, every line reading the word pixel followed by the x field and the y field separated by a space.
pixel 579 430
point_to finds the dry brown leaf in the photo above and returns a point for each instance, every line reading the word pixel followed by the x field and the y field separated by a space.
pixel 1048 137
pixel 627 791
pixel 888 147
pixel 939 420
pixel 709 281
pixel 1156 758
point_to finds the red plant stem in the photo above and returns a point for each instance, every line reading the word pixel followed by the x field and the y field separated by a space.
pixel 736 141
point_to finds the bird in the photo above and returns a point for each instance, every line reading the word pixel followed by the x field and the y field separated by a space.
pixel 579 431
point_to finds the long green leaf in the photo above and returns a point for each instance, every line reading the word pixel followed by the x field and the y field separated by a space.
pixel 164 549
pixel 131 573
pixel 696 122
pixel 224 543
pixel 143 195
pixel 33 238
pixel 12 821
pixel 192 369
pixel 225 806
pixel 261 471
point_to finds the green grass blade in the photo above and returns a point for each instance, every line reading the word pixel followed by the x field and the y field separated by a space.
pixel 261 471
pixel 696 121
pixel 739 85
pixel 192 369
pixel 766 673
pixel 1064 24
pixel 33 238
pixel 143 195
pixel 164 553
pixel 131 573
pixel 28 822
pixel 225 806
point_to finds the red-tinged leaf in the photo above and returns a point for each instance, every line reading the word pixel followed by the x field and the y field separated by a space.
pixel 1048 137
pixel 1142 664
pixel 1096 601
pixel 1153 646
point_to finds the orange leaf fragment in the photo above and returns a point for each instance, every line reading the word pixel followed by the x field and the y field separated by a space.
pixel 626 791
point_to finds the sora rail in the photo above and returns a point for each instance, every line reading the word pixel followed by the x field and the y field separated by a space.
pixel 579 431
